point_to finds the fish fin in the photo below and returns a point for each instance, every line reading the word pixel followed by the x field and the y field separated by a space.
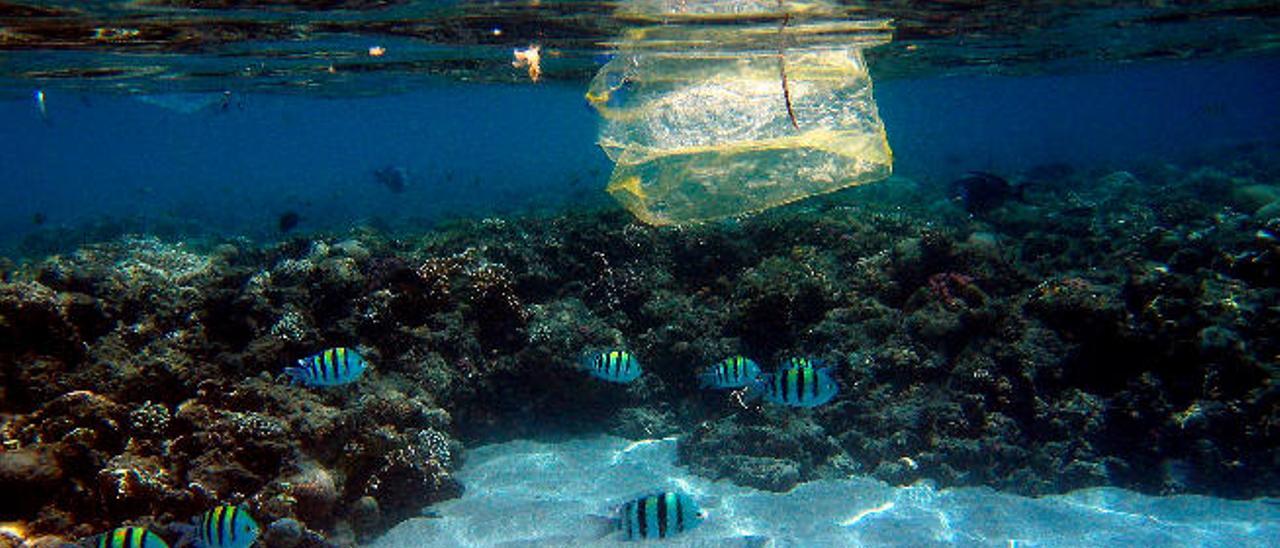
pixel 707 379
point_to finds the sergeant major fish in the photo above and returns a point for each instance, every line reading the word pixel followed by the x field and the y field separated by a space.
pixel 735 372
pixel 804 386
pixel 333 367
pixel 226 526
pixel 658 516
pixel 131 537
pixel 614 366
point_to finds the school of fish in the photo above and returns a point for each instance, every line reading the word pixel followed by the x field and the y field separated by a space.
pixel 797 382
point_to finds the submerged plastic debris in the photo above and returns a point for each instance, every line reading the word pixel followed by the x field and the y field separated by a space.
pixel 709 121
pixel 530 57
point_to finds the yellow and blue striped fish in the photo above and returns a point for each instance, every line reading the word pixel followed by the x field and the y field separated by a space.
pixel 332 367
pixel 131 537
pixel 798 386
pixel 659 516
pixel 735 372
pixel 226 526
pixel 613 365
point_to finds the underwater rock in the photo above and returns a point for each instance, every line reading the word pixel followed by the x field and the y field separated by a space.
pixel 765 456
pixel 781 296
pixel 366 516
pixel 1268 212
pixel 1078 307
pixel 766 473
pixel 284 532
pixel 33 320
pixel 34 472
pixel 1252 198
pixel 314 492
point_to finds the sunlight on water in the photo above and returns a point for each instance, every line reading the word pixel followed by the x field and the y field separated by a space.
pixel 534 493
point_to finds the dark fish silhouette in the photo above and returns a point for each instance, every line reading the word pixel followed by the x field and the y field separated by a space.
pixel 288 221
pixel 39 218
pixel 395 178
pixel 981 191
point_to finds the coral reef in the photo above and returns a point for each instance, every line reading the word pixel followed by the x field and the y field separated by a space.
pixel 1114 329
pixel 141 382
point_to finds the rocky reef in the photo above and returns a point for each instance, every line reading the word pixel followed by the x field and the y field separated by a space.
pixel 1111 328
pixel 141 382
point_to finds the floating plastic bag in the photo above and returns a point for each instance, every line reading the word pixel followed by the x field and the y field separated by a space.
pixel 704 121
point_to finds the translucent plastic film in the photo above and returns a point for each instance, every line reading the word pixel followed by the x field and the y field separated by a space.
pixel 707 121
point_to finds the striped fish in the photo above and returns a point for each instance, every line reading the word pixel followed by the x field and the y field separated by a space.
pixel 131 537
pixel 332 367
pixel 226 526
pixel 735 372
pixel 658 516
pixel 798 386
pixel 613 366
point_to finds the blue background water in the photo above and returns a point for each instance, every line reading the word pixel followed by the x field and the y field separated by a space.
pixel 483 149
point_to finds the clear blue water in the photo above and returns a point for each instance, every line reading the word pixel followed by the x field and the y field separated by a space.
pixel 484 149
